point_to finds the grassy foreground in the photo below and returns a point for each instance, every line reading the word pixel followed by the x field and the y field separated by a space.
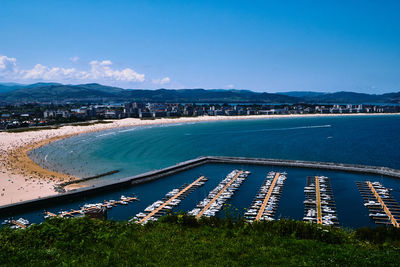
pixel 180 240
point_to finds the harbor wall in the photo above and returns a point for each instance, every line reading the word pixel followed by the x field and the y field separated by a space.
pixel 158 174
pixel 362 169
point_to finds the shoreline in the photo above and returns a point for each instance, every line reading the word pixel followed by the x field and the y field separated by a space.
pixel 22 179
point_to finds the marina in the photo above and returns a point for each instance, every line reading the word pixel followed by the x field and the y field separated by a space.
pixel 215 200
pixel 382 206
pixel 319 204
pixel 152 176
pixel 172 199
pixel 288 204
pixel 266 201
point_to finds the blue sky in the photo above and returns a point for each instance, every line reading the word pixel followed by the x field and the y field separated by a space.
pixel 258 45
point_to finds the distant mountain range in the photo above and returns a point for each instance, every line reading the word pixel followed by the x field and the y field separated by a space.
pixel 7 87
pixel 60 93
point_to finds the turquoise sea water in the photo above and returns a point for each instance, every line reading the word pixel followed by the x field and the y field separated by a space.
pixel 370 140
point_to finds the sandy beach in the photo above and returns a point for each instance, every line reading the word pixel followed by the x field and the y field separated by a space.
pixel 21 179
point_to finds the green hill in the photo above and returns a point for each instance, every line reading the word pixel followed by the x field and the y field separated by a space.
pixel 349 97
pixel 100 93
pixel 183 241
pixel 60 93
pixel 344 97
pixel 302 94
pixel 8 87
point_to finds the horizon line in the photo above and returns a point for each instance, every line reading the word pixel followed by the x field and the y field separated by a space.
pixel 194 88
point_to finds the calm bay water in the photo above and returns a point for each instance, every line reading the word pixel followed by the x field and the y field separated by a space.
pixel 370 140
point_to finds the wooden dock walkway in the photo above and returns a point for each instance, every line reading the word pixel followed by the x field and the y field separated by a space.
pixel 318 200
pixel 385 208
pixel 319 206
pixel 23 226
pixel 155 211
pixel 219 193
pixel 83 210
pixel 265 202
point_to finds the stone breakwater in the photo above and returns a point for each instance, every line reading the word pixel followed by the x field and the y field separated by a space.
pixel 363 169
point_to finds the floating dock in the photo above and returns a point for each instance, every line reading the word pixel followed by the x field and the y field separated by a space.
pixel 172 199
pixel 91 207
pixel 266 201
pixel 19 224
pixel 215 200
pixel 382 206
pixel 319 206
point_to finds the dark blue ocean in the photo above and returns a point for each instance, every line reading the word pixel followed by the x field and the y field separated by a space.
pixel 370 140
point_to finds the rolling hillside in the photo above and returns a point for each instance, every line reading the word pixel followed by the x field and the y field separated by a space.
pixel 60 93
pixel 100 93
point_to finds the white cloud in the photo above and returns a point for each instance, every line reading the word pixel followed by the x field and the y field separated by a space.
pixel 74 59
pixel 162 81
pixel 8 65
pixel 40 72
pixel 103 70
pixel 106 62
pixel 99 71
pixel 230 86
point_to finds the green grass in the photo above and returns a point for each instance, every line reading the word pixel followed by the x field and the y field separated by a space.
pixel 56 126
pixel 181 240
pixel 32 129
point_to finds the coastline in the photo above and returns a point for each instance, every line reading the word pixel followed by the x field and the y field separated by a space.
pixel 22 179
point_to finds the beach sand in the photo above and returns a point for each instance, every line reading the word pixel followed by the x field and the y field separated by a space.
pixel 21 179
